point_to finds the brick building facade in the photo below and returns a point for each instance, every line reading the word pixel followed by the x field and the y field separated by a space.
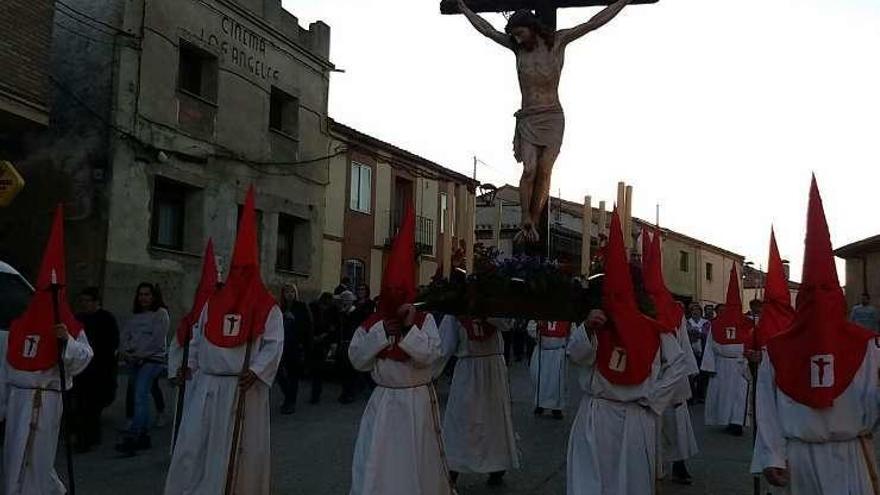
pixel 370 185
pixel 25 50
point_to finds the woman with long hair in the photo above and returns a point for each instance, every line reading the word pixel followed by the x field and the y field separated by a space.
pixel 142 347
pixel 297 332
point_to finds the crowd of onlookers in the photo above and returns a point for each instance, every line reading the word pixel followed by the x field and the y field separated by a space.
pixel 140 346
pixel 316 339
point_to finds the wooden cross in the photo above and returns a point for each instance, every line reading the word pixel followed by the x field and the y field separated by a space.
pixel 546 9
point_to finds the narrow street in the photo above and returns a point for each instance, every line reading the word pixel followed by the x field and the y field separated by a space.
pixel 312 450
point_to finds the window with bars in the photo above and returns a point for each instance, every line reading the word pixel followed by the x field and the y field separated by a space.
pixel 684 262
pixel 361 187
pixel 356 271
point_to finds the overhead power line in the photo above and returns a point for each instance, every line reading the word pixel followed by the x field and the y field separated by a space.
pixel 82 35
pixel 87 17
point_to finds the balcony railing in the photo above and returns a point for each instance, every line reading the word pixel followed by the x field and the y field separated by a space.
pixel 425 232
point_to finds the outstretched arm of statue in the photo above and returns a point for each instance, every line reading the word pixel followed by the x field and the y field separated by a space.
pixel 483 26
pixel 566 36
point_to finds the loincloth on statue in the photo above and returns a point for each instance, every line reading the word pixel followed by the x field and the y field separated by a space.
pixel 541 126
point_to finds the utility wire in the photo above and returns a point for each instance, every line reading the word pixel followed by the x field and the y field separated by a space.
pixel 227 156
pixel 81 35
pixel 230 155
pixel 84 23
pixel 91 18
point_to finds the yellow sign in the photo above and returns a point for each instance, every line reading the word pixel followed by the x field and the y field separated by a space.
pixel 10 183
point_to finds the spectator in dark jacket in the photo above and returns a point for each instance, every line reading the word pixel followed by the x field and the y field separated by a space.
pixel 297 334
pixel 95 388
pixel 364 305
pixel 324 339
pixel 349 320
pixel 344 285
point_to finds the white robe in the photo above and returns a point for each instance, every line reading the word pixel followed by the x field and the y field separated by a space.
pixel 612 447
pixel 677 430
pixel 821 448
pixel 201 457
pixel 727 397
pixel 399 447
pixel 21 388
pixel 477 426
pixel 548 370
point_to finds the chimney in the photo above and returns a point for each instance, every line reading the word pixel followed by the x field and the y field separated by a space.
pixel 320 38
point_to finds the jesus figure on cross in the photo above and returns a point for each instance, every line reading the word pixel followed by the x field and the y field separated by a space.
pixel 540 123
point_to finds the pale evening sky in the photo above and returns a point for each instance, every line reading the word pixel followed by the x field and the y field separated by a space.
pixel 717 109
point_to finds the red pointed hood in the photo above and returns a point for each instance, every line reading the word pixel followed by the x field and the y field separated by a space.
pixel 669 311
pixel 399 279
pixel 398 284
pixel 732 326
pixel 628 343
pixel 208 285
pixel 32 345
pixel 816 360
pixel 777 313
pixel 238 312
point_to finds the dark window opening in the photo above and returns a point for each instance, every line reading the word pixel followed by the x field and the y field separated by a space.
pixel 293 246
pixel 197 72
pixel 284 113
pixel 169 214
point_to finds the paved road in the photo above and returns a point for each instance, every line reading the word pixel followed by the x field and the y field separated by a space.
pixel 312 453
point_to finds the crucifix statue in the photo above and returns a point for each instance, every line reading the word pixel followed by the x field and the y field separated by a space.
pixel 540 55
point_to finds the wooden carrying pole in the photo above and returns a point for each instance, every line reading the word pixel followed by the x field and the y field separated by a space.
pixel 65 397
pixel 499 213
pixel 586 236
pixel 867 444
pixel 753 396
pixel 628 218
pixel 241 401
pixel 181 391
